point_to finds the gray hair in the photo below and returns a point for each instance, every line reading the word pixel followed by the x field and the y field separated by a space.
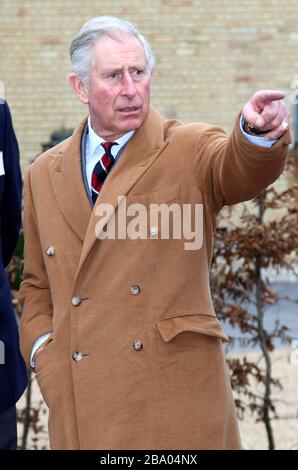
pixel 81 48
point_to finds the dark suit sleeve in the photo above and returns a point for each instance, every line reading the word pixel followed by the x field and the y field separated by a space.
pixel 10 208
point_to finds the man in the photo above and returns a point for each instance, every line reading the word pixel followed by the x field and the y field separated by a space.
pixel 13 376
pixel 121 330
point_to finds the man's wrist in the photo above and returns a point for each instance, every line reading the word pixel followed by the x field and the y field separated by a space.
pixel 39 345
pixel 39 349
pixel 254 130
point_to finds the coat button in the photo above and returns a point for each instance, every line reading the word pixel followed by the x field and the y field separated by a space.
pixel 153 232
pixel 50 251
pixel 77 356
pixel 135 290
pixel 137 345
pixel 76 301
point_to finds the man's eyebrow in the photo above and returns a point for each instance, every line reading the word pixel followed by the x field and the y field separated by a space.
pixel 138 66
pixel 120 69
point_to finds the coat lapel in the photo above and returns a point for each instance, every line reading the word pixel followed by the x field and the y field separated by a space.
pixel 142 150
pixel 68 185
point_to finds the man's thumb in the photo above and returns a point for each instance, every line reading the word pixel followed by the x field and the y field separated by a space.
pixel 260 122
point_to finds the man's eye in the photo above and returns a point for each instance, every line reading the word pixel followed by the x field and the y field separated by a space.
pixel 114 75
pixel 137 72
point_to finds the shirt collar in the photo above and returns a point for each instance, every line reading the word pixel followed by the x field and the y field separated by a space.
pixel 95 140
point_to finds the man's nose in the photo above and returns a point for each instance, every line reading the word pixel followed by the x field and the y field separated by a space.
pixel 128 86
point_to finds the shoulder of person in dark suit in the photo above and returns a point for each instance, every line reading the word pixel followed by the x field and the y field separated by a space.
pixel 10 185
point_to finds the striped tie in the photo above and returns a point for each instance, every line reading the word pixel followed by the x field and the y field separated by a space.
pixel 102 169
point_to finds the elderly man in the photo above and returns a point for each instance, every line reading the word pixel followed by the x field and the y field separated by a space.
pixel 121 330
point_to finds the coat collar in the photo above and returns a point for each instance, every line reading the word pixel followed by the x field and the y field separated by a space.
pixel 141 151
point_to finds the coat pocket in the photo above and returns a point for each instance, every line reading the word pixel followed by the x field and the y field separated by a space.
pixel 184 339
pixel 47 373
pixel 204 324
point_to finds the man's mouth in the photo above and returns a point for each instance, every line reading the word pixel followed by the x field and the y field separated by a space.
pixel 129 110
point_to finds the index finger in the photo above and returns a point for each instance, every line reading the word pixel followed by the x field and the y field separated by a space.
pixel 266 96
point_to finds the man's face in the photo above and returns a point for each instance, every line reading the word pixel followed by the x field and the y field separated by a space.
pixel 119 87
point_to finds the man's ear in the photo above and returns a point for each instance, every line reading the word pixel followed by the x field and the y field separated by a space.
pixel 79 88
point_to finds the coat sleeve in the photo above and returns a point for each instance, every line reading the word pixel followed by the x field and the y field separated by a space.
pixel 10 208
pixel 34 295
pixel 233 169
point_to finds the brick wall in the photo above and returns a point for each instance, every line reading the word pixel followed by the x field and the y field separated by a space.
pixel 210 56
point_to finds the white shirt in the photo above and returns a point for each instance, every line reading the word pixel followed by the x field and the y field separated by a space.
pixel 94 149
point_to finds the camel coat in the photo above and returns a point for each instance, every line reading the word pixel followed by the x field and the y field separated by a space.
pixel 102 392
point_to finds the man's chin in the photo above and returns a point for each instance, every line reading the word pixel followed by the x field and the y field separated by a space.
pixel 131 124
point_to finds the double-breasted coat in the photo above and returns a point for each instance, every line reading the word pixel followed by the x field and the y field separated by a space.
pixel 136 359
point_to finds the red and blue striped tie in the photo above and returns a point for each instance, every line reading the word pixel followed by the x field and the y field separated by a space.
pixel 102 169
